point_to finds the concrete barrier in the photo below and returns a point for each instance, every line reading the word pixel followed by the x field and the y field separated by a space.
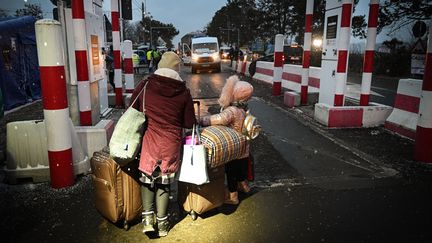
pixel 94 138
pixel 351 116
pixel 292 98
pixel 403 119
pixel 291 76
pixel 264 72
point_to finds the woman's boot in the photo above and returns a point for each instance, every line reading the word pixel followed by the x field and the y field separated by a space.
pixel 231 198
pixel 243 186
pixel 163 226
pixel 148 220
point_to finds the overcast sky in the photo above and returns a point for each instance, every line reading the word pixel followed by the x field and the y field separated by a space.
pixel 185 15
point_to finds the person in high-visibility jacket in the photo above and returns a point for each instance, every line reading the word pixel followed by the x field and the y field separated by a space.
pixel 150 60
pixel 135 59
pixel 135 62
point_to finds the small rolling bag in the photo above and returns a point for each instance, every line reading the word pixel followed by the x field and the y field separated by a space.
pixel 198 199
pixel 117 192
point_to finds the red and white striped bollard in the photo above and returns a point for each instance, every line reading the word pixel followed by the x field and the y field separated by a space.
pixel 423 142
pixel 369 52
pixel 116 53
pixel 278 65
pixel 82 74
pixel 49 41
pixel 306 52
pixel 128 66
pixel 343 45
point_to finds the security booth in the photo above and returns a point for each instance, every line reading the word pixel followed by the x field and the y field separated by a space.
pixel 331 109
pixel 332 37
pixel 95 39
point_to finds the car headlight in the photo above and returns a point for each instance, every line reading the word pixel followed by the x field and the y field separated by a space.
pixel 215 56
pixel 194 57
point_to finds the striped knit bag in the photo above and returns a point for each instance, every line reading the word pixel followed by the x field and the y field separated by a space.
pixel 223 144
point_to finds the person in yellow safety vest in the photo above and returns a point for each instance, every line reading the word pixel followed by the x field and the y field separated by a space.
pixel 135 59
pixel 135 62
pixel 156 58
pixel 150 60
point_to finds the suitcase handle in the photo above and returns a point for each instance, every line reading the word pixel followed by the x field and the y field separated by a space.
pixel 198 103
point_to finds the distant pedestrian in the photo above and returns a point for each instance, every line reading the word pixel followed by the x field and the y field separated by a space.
pixel 236 53
pixel 156 58
pixel 149 55
pixel 169 108
pixel 109 61
pixel 233 102
pixel 231 54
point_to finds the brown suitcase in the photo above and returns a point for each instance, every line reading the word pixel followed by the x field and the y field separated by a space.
pixel 117 193
pixel 198 199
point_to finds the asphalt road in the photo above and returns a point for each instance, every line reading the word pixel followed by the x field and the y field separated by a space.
pixel 383 89
pixel 306 189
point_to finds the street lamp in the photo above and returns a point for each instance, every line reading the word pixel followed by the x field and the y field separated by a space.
pixel 317 43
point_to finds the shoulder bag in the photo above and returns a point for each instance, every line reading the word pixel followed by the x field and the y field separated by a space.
pixel 194 164
pixel 126 139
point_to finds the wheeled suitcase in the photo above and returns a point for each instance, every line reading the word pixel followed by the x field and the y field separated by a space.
pixel 117 193
pixel 198 199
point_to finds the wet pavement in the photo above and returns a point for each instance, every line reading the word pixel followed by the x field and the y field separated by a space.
pixel 312 184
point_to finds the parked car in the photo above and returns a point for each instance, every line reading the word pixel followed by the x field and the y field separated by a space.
pixel 292 55
pixel 224 51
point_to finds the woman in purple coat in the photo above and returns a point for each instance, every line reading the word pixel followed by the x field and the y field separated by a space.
pixel 168 108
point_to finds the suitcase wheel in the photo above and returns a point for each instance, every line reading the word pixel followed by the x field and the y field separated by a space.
pixel 126 225
pixel 193 215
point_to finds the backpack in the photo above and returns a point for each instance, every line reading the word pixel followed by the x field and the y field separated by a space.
pixel 250 128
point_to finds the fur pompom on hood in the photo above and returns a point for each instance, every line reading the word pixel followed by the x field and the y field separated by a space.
pixel 235 90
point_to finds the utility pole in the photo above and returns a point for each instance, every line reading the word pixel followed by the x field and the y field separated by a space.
pixel 142 19
pixel 238 35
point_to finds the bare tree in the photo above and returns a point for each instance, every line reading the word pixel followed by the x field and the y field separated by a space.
pixel 30 10
pixel 397 14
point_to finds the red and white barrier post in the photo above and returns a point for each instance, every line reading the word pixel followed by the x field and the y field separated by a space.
pixel 128 66
pixel 369 52
pixel 49 42
pixel 343 45
pixel 116 53
pixel 278 64
pixel 423 142
pixel 82 73
pixel 306 52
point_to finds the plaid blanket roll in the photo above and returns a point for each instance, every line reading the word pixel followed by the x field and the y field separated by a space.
pixel 223 144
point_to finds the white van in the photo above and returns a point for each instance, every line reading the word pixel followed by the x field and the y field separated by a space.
pixel 205 54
